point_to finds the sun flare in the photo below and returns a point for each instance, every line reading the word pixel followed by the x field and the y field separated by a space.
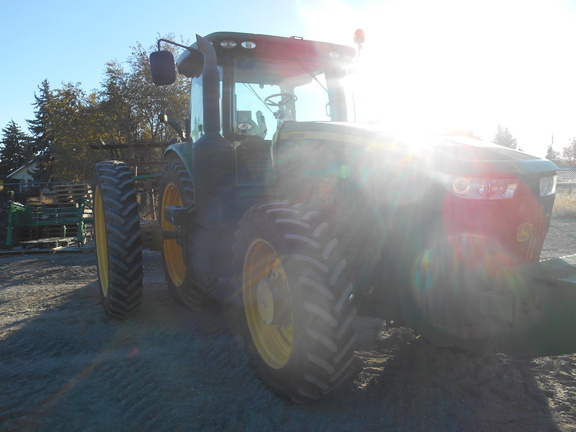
pixel 458 65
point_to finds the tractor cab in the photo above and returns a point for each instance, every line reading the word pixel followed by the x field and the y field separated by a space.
pixel 264 81
pixel 263 93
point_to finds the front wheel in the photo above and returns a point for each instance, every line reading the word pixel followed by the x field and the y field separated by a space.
pixel 298 315
pixel 118 239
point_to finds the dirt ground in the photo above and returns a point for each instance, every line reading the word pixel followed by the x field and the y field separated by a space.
pixel 65 367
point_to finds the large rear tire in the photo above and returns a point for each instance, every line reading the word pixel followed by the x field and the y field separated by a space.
pixel 297 318
pixel 117 237
pixel 177 190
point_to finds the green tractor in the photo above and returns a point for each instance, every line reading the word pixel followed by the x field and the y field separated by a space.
pixel 275 202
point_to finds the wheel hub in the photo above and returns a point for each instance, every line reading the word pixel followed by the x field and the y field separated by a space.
pixel 269 295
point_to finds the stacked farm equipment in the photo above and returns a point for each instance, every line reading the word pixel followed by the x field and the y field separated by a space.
pixel 62 218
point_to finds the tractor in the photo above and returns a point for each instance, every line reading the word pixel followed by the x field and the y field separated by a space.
pixel 276 202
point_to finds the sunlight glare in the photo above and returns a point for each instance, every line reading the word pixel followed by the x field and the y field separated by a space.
pixel 458 65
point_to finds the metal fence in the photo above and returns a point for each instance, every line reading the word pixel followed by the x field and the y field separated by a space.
pixel 566 175
pixel 566 181
pixel 147 193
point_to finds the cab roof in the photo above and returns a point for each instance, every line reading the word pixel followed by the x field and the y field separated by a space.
pixel 288 48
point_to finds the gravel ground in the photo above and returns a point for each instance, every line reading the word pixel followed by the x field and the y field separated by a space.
pixel 65 367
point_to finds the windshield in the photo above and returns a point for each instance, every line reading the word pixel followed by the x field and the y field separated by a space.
pixel 269 92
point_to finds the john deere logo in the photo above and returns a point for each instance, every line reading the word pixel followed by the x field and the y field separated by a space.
pixel 524 232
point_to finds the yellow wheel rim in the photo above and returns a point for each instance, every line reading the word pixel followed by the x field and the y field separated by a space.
pixel 172 250
pixel 101 241
pixel 268 304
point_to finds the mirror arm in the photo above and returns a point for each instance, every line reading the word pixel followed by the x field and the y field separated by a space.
pixel 171 42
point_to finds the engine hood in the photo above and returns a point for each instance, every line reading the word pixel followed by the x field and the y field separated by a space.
pixel 450 154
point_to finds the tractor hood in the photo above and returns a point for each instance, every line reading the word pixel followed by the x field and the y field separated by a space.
pixel 450 154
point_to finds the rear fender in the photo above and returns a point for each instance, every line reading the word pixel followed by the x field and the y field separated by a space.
pixel 182 152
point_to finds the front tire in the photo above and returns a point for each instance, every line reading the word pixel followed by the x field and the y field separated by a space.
pixel 298 314
pixel 118 240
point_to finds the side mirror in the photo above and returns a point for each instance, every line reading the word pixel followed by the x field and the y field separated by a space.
pixel 162 68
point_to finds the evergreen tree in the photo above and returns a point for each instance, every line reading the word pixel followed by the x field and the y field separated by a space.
pixel 42 138
pixel 16 149
pixel 63 128
pixel 551 154
pixel 504 138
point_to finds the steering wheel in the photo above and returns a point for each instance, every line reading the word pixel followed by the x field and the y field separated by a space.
pixel 284 99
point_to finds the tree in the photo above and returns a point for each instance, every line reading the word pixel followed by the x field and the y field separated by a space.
pixel 125 112
pixel 72 121
pixel 16 149
pixel 42 139
pixel 152 100
pixel 61 130
pixel 504 138
pixel 130 104
pixel 569 152
pixel 552 154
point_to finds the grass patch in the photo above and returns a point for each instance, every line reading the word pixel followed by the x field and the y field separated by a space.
pixel 565 205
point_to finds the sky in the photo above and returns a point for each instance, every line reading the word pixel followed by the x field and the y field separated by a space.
pixel 425 66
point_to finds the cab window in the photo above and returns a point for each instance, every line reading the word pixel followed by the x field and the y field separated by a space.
pixel 268 92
